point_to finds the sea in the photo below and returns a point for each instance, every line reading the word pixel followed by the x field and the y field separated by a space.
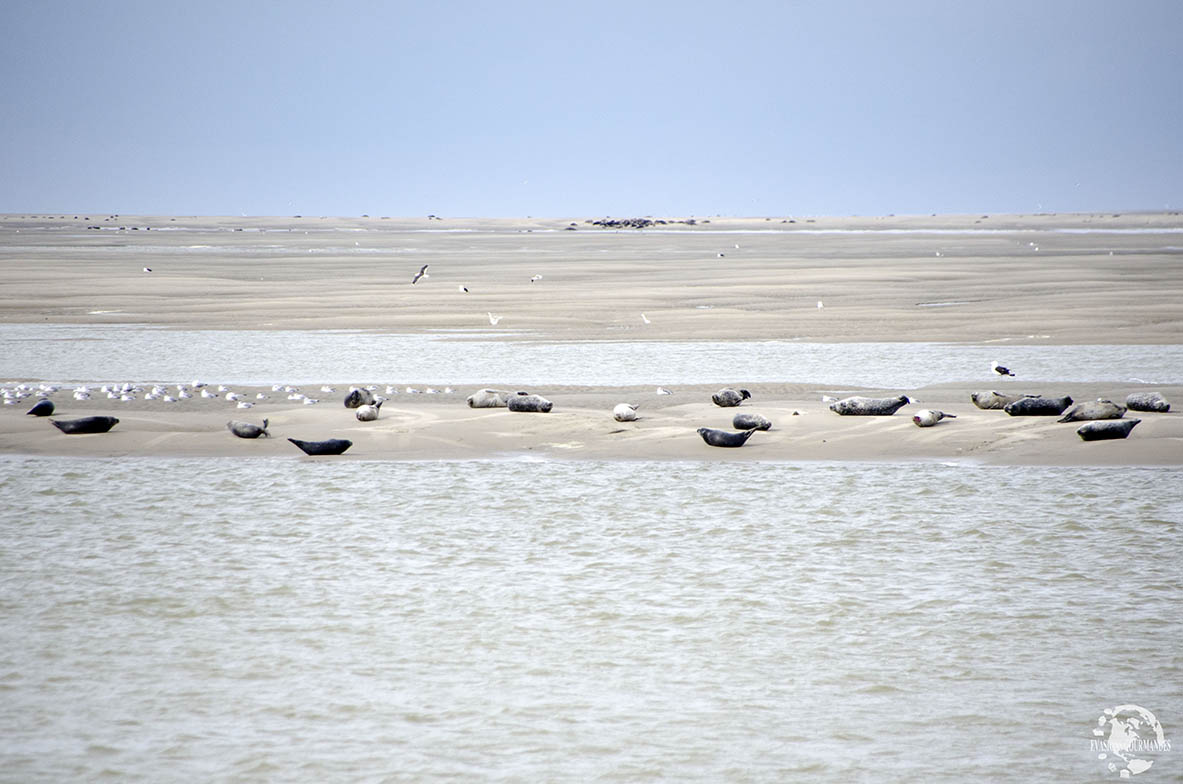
pixel 526 620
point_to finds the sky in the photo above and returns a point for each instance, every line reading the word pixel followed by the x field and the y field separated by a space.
pixel 578 109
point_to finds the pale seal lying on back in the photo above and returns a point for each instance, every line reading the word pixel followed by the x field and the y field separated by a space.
pixel 246 429
pixel 488 398
pixel 41 408
pixel 749 421
pixel 869 406
pixel 728 397
pixel 927 417
pixel 368 413
pixel 1104 429
pixel 358 398
pixel 1147 401
pixel 992 399
pixel 333 446
pixel 1038 406
pixel 522 402
pixel 90 424
pixel 625 412
pixel 723 437
pixel 1094 409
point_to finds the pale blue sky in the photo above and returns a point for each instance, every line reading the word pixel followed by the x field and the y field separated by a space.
pixel 551 108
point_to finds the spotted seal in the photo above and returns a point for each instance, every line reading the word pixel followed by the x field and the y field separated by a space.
pixel 524 402
pixel 368 413
pixel 869 406
pixel 247 430
pixel 1038 406
pixel 1105 429
pixel 90 424
pixel 750 421
pixel 625 412
pixel 1147 401
pixel 992 400
pixel 359 397
pixel 729 398
pixel 488 398
pixel 1094 409
pixel 41 408
pixel 927 417
pixel 333 446
pixel 723 437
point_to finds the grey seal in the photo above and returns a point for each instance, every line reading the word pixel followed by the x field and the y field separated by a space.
pixel 749 421
pixel 927 417
pixel 625 412
pixel 524 402
pixel 724 437
pixel 1038 406
pixel 1147 401
pixel 1105 429
pixel 358 398
pixel 992 399
pixel 488 398
pixel 368 413
pixel 869 406
pixel 1094 409
pixel 41 408
pixel 333 446
pixel 729 398
pixel 90 424
pixel 247 430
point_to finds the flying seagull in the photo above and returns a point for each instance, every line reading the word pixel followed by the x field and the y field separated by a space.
pixel 1000 370
pixel 422 273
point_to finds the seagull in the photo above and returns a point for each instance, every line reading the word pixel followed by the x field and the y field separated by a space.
pixel 463 289
pixel 147 269
pixel 536 278
pixel 1000 370
pixel 645 319
pixel 663 391
pixel 422 273
pixel 494 319
pixel 819 305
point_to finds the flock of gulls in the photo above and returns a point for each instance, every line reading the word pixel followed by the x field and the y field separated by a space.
pixel 1103 419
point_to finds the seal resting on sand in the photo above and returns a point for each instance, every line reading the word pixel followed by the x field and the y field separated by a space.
pixel 625 412
pixel 1094 409
pixel 728 397
pixel 992 399
pixel 368 413
pixel 723 437
pixel 1105 429
pixel 41 408
pixel 247 430
pixel 1038 406
pixel 869 406
pixel 358 398
pixel 90 424
pixel 1147 401
pixel 333 446
pixel 488 398
pixel 748 421
pixel 521 402
pixel 927 417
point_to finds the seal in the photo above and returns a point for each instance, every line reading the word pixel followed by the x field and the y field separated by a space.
pixel 333 446
pixel 625 412
pixel 368 413
pixel 488 398
pixel 991 400
pixel 729 398
pixel 927 417
pixel 247 430
pixel 90 424
pixel 869 406
pixel 523 402
pixel 1038 406
pixel 358 398
pixel 1094 409
pixel 723 437
pixel 43 407
pixel 1105 429
pixel 748 421
pixel 1147 401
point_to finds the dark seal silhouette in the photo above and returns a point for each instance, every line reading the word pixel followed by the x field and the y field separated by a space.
pixel 90 424
pixel 1105 429
pixel 333 446
pixel 42 408
pixel 1038 406
pixel 358 398
pixel 520 402
pixel 724 437
pixel 247 430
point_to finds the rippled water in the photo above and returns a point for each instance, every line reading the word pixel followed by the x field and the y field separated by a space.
pixel 142 353
pixel 297 620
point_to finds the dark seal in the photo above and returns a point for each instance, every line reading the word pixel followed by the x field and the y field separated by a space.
pixel 90 424
pixel 42 408
pixel 520 402
pixel 724 437
pixel 1038 406
pixel 729 398
pixel 358 398
pixel 748 421
pixel 1105 429
pixel 333 446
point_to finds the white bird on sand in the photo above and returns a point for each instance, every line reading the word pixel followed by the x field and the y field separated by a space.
pixel 494 319
pixel 246 404
pixel 207 393
pixel 463 289
pixel 999 369
pixel 663 391
pixel 645 319
pixel 819 305
pixel 147 269
pixel 536 278
pixel 308 401
pixel 422 273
